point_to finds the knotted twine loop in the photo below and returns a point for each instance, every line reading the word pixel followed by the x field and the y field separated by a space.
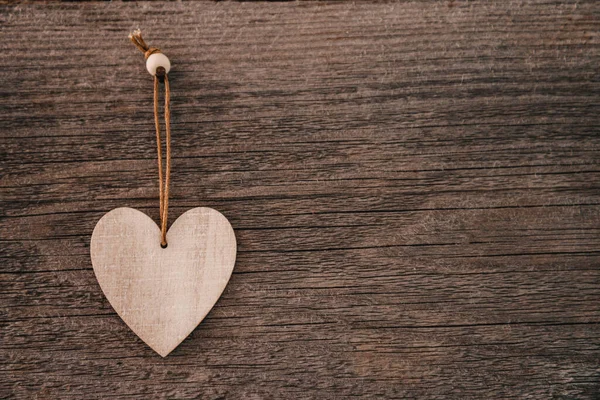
pixel 163 187
pixel 136 38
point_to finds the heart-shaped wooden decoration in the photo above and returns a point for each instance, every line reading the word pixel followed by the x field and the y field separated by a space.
pixel 163 294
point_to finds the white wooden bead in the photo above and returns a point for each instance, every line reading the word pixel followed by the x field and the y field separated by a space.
pixel 157 60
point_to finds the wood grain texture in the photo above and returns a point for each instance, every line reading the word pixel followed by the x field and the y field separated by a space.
pixel 414 188
pixel 162 294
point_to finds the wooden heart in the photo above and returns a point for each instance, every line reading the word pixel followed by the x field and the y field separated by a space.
pixel 163 294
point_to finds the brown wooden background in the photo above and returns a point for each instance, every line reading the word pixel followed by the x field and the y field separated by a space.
pixel 414 187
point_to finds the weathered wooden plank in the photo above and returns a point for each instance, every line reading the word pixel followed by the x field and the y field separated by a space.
pixel 414 189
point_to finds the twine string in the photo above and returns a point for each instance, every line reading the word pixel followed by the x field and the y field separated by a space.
pixel 138 41
pixel 163 179
pixel 165 200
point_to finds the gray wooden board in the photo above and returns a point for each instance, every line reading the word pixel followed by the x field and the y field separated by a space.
pixel 414 188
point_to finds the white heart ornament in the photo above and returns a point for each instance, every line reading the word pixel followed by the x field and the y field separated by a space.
pixel 163 294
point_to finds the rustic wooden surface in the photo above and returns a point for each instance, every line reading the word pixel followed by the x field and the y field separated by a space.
pixel 414 188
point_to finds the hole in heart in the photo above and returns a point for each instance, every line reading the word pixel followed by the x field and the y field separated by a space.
pixel 164 246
